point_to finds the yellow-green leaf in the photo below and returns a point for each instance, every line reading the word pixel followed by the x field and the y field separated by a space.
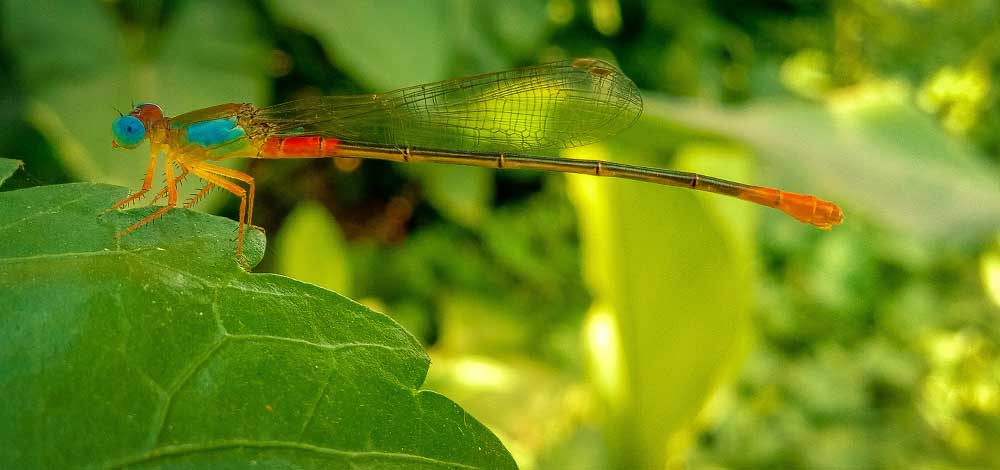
pixel 311 248
pixel 671 287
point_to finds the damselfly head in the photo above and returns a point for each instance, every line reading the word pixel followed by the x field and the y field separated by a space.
pixel 130 129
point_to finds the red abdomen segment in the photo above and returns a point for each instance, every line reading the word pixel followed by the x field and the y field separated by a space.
pixel 804 207
pixel 299 147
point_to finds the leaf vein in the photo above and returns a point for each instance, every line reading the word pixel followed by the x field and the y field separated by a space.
pixel 51 211
pixel 315 404
pixel 126 253
pixel 187 449
pixel 161 416
pixel 332 347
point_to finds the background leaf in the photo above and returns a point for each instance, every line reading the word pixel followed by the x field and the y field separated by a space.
pixel 365 37
pixel 183 360
pixel 310 248
pixel 660 339
pixel 870 152
pixel 7 168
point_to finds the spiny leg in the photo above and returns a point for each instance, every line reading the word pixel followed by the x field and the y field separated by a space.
pixel 197 197
pixel 239 176
pixel 147 182
pixel 202 172
pixel 171 202
pixel 163 192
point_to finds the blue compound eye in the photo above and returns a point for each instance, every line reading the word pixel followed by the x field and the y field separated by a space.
pixel 129 131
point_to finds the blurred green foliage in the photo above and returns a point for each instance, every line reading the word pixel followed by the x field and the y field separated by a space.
pixel 874 345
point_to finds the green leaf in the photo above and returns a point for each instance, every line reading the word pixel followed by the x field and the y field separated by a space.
pixel 989 269
pixel 871 152
pixel 158 351
pixel 77 65
pixel 310 248
pixel 365 37
pixel 7 168
pixel 672 293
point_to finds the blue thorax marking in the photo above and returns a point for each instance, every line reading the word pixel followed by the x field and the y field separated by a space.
pixel 214 132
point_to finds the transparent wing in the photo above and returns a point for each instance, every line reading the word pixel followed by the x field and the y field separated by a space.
pixel 556 105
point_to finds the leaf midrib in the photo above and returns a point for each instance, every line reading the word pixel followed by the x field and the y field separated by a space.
pixel 185 449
